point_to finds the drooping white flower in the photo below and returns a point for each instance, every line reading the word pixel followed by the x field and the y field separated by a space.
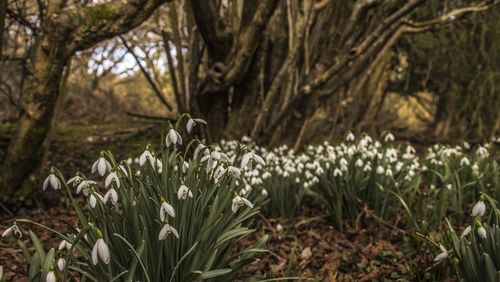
pixel 64 245
pixel 464 161
pixel 192 122
pixel 13 230
pixel 61 264
pixel 166 230
pixel 359 163
pixel 51 277
pixel 234 171
pixel 93 199
pixel 100 250
pixel 441 256
pixel 247 159
pixel 482 232
pixel 199 149
pixel 165 209
pixel 85 184
pixel 146 155
pixel 350 137
pixel 111 194
pixel 54 182
pixel 101 165
pixel 380 170
pixel 482 151
pixel 479 209
pixel 466 231
pixel 239 202
pixel 337 172
pixel 184 192
pixel 173 137
pixel 123 169
pixel 389 137
pixel 112 176
pixel 75 180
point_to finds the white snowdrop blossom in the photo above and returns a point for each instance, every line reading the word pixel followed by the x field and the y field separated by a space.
pixel 101 165
pixel 482 232
pixel 389 137
pixel 246 160
pixel 64 245
pixel 54 182
pixel 111 194
pixel 441 256
pixel 13 230
pixel 479 209
pixel 173 137
pixel 482 151
pixel 147 156
pixel 100 251
pixel 61 264
pixel 112 176
pixel 184 192
pixel 85 184
pixel 350 137
pixel 466 231
pixel 200 148
pixel 239 202
pixel 166 209
pixel 75 180
pixel 337 172
pixel 51 276
pixel 234 171
pixel 380 170
pixel 166 230
pixel 192 122
pixel 93 199
pixel 464 161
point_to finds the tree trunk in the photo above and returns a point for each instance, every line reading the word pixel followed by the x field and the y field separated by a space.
pixel 28 144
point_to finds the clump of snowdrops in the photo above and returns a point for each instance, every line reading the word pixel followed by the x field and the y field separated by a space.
pixel 174 218
pixel 453 177
pixel 474 255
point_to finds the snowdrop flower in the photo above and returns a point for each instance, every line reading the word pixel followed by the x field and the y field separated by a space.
pixel 236 172
pixel 443 255
pixel 130 161
pixel 112 177
pixel 173 137
pixel 145 156
pixel 482 151
pixel 51 276
pixel 350 137
pixel 479 209
pixel 482 232
pixel 64 245
pixel 359 163
pixel 389 137
pixel 75 180
pixel 184 192
pixel 199 149
pixel 165 209
pixel 343 162
pixel 264 192
pixel 101 251
pixel 52 179
pixel 240 201
pixel 388 172
pixel 166 230
pixel 466 231
pixel 13 230
pixel 123 169
pixel 367 168
pixel 337 172
pixel 250 156
pixel 464 161
pixel 380 170
pixel 111 194
pixel 101 165
pixel 192 122
pixel 93 199
pixel 84 184
pixel 61 264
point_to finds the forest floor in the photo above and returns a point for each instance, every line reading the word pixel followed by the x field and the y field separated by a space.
pixel 307 246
